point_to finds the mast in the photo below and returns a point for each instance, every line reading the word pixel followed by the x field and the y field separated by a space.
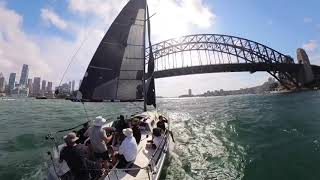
pixel 144 62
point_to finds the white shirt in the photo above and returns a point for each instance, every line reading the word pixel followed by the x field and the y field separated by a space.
pixel 129 148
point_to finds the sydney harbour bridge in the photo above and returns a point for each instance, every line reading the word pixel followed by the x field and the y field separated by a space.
pixel 214 53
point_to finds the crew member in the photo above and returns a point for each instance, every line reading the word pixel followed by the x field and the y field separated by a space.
pixel 128 149
pixel 99 139
pixel 162 123
pixel 76 157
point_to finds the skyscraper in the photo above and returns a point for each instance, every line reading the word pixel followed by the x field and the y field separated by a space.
pixel 12 80
pixel 49 87
pixel 36 86
pixel 190 92
pixel 73 84
pixel 43 86
pixel 2 83
pixel 80 82
pixel 30 87
pixel 69 85
pixel 24 75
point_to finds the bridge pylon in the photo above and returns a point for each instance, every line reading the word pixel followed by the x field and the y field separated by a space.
pixel 306 75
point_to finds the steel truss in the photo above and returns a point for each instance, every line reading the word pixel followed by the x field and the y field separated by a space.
pixel 246 51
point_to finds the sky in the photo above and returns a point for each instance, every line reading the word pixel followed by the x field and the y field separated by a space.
pixel 46 34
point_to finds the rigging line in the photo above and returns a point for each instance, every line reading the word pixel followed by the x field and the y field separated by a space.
pixel 77 51
pixel 85 110
pixel 72 58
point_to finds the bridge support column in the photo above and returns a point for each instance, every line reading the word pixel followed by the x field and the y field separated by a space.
pixel 305 76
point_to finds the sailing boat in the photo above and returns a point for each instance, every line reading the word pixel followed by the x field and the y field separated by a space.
pixel 117 72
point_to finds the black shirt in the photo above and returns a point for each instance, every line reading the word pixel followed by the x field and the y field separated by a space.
pixel 81 136
pixel 136 133
pixel 120 125
pixel 161 125
pixel 75 157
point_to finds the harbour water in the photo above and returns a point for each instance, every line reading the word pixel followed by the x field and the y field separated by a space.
pixel 234 137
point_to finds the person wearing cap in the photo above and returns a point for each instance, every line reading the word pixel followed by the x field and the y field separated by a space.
pixel 99 139
pixel 76 157
pixel 128 149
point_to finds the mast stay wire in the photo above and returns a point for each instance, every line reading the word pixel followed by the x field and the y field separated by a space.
pixel 73 57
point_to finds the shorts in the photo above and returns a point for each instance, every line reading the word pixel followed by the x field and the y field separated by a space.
pixel 104 155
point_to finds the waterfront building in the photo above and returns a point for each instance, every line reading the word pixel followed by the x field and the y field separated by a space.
pixel 12 81
pixel 72 86
pixel 36 86
pixel 64 89
pixel 2 83
pixel 49 87
pixel 29 85
pixel 49 92
pixel 19 92
pixel 69 86
pixel 190 92
pixel 43 86
pixel 24 75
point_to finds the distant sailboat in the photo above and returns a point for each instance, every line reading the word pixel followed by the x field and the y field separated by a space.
pixel 117 72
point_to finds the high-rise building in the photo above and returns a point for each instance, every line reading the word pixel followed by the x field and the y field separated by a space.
pixel 190 92
pixel 49 87
pixel 72 86
pixel 29 85
pixel 80 84
pixel 69 85
pixel 24 75
pixel 2 83
pixel 43 85
pixel 36 86
pixel 12 81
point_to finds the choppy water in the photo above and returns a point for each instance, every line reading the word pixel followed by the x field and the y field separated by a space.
pixel 235 137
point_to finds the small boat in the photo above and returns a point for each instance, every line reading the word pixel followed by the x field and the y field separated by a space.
pixel 118 73
pixel 41 97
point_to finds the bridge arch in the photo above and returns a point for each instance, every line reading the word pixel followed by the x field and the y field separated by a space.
pixel 242 55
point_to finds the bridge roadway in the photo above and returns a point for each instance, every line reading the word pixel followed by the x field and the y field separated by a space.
pixel 240 67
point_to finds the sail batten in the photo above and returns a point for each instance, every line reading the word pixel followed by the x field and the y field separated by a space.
pixel 116 70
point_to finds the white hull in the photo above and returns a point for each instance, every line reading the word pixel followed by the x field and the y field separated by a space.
pixel 148 164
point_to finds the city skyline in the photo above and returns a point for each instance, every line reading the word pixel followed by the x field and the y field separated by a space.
pixel 35 86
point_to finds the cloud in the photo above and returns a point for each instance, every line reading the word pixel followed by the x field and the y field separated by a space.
pixel 100 8
pixel 16 46
pixel 172 17
pixel 177 18
pixel 307 20
pixel 51 17
pixel 311 46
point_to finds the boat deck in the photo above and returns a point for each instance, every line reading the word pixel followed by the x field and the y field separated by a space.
pixel 138 170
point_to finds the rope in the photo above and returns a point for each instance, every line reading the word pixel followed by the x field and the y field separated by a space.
pixel 71 128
